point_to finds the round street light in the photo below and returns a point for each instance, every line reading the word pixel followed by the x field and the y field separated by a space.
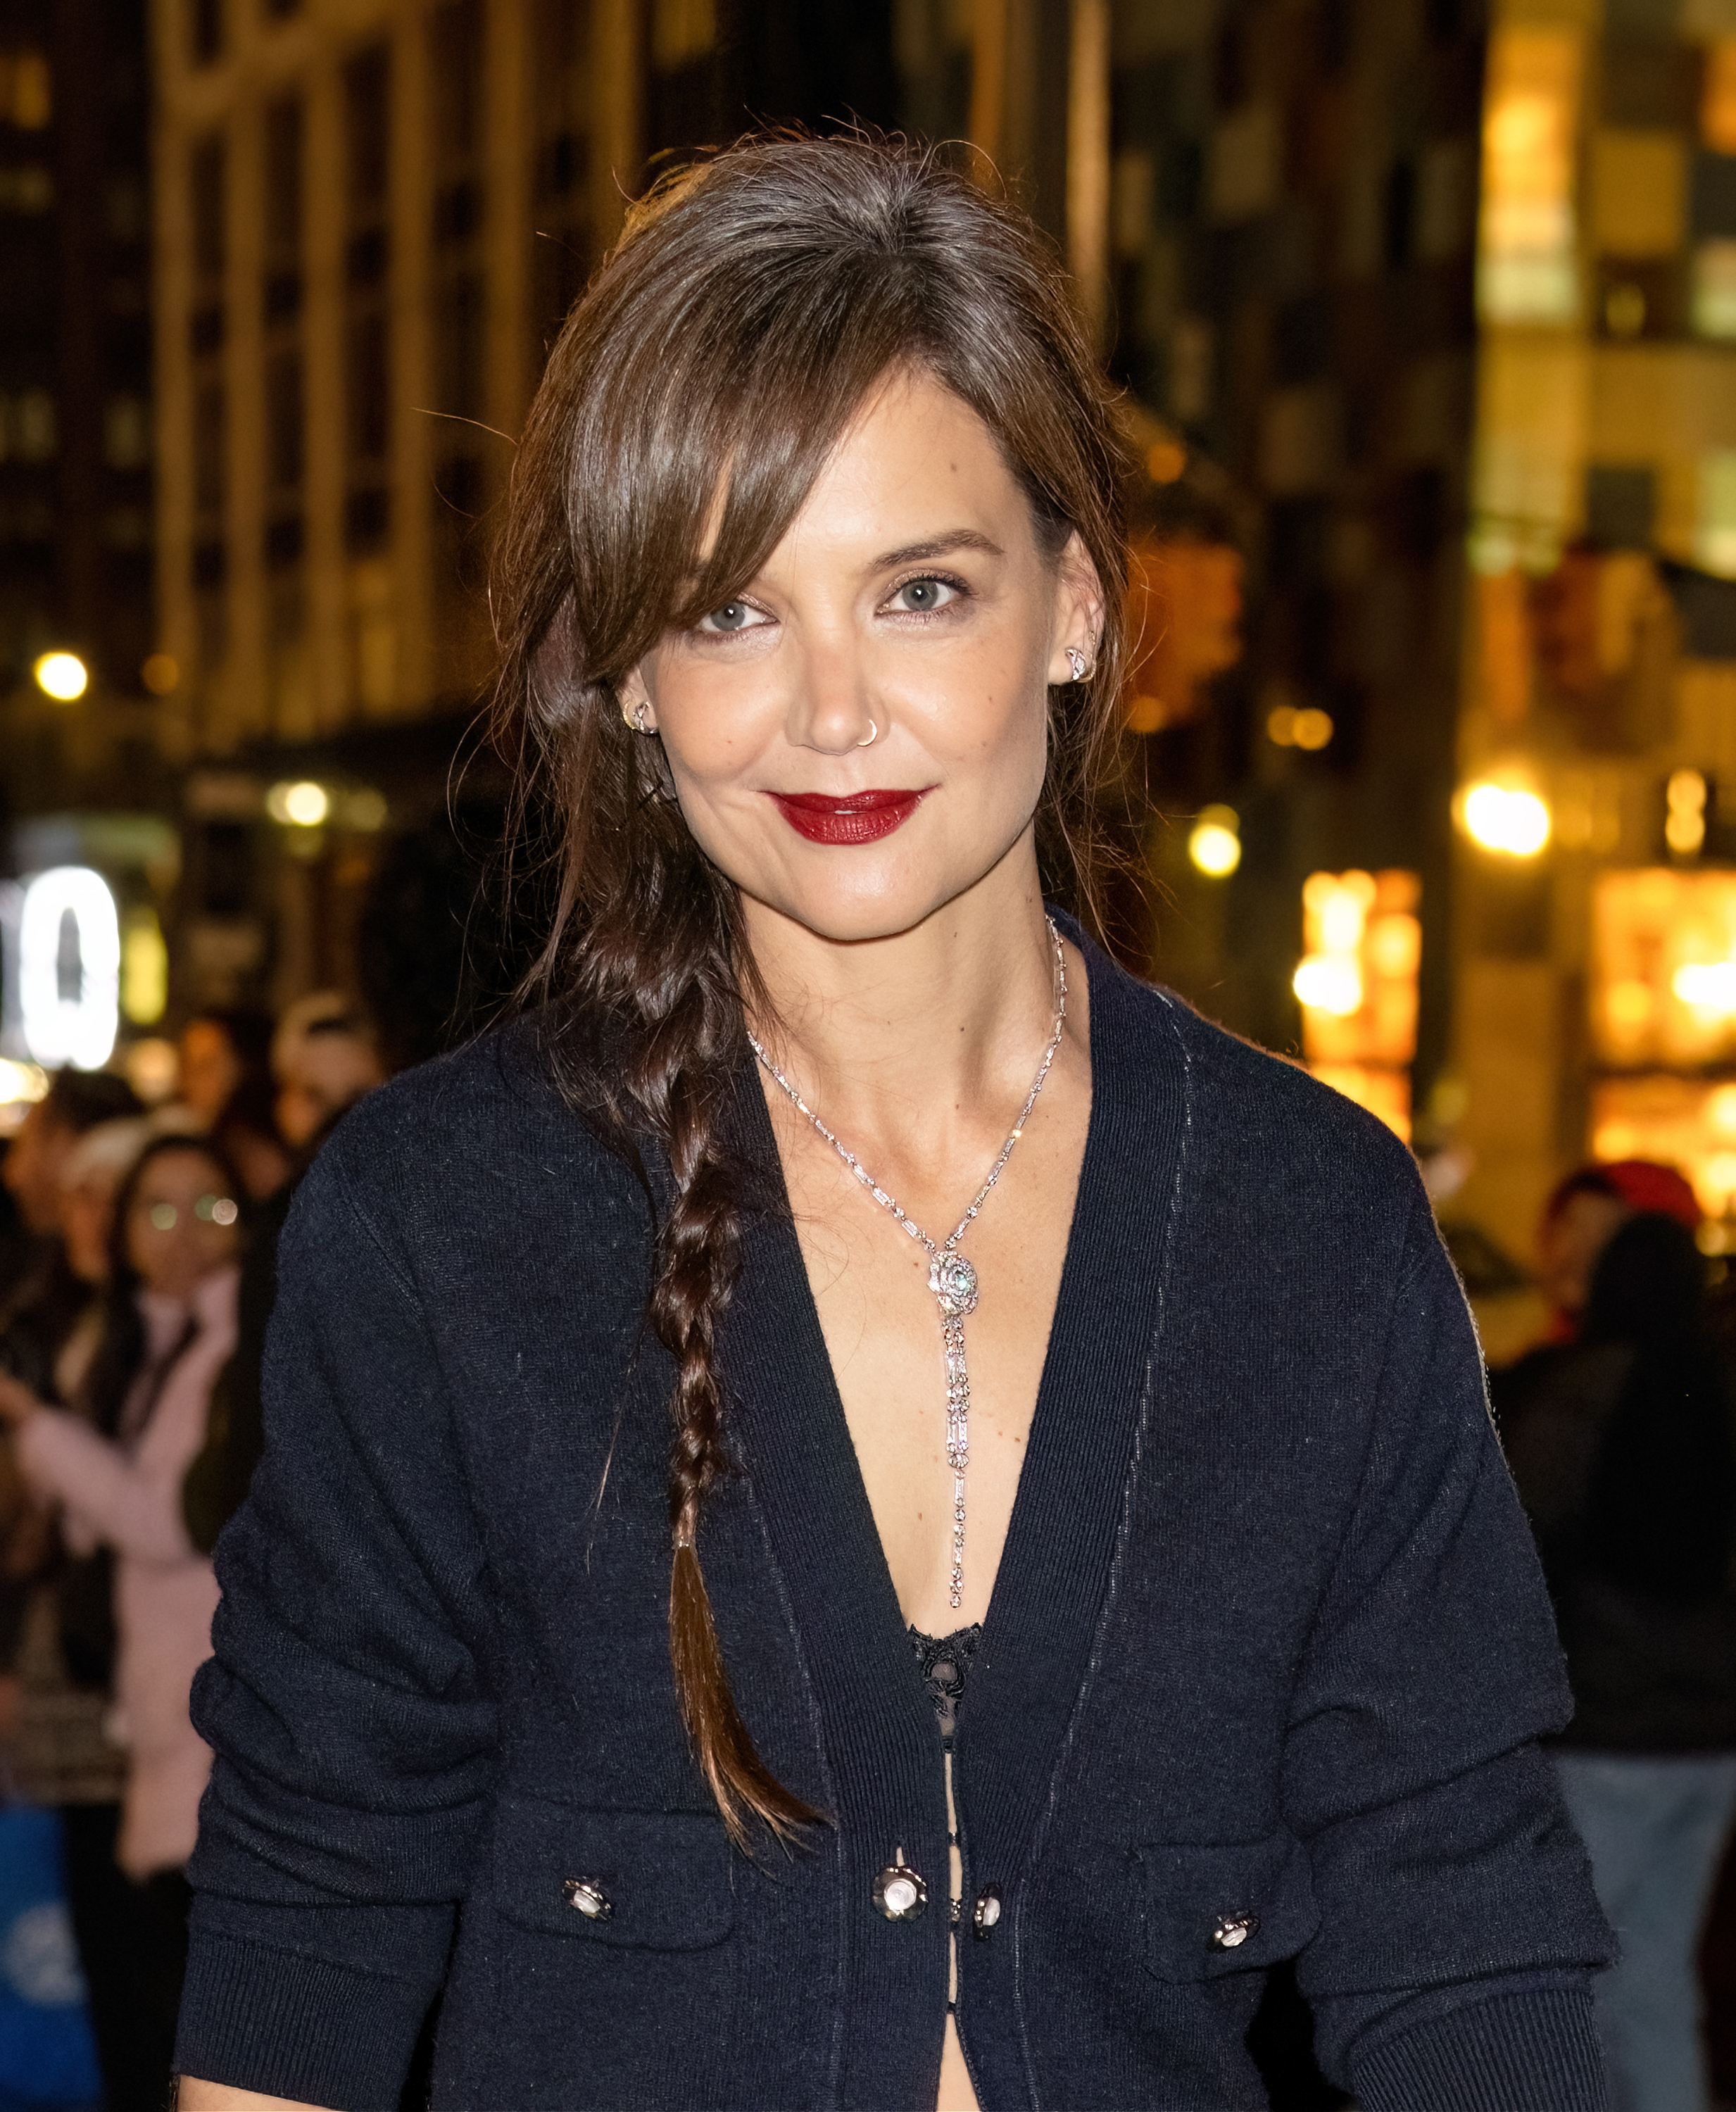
pixel 1214 842
pixel 303 804
pixel 61 676
pixel 1505 819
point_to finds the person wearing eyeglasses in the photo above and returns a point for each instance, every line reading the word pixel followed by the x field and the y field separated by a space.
pixel 115 1474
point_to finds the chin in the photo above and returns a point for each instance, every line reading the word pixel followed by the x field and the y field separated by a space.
pixel 855 909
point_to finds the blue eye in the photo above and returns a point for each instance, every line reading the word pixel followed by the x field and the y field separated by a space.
pixel 921 597
pixel 733 616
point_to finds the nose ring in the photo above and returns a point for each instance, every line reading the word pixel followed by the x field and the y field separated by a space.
pixel 873 734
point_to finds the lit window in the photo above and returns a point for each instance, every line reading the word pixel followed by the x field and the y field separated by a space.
pixel 1663 985
pixel 1718 98
pixel 1715 290
pixel 1357 985
pixel 1684 820
pixel 126 432
pixel 1685 1122
pixel 144 968
pixel 1715 535
pixel 1639 190
pixel 28 189
pixel 26 90
pixel 1509 820
pixel 35 428
pixel 1527 270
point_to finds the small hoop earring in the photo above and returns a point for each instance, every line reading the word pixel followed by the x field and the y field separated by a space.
pixel 873 734
pixel 1077 661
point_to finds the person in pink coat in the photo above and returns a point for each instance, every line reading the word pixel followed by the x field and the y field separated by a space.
pixel 114 1473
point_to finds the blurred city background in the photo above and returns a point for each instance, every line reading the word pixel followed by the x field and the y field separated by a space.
pixel 1428 324
pixel 1425 311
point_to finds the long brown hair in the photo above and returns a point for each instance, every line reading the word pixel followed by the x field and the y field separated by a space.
pixel 750 308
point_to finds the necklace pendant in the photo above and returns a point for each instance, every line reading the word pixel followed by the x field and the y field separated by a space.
pixel 954 1282
pixel 951 1279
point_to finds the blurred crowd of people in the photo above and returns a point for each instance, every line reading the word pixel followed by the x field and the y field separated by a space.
pixel 132 1327
pixel 1619 1430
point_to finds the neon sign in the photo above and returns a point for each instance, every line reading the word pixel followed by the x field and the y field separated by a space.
pixel 69 968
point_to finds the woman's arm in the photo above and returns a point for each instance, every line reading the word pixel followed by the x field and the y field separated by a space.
pixel 1459 1932
pixel 355 1742
pixel 126 1502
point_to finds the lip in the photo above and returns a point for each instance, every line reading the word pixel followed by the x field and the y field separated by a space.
pixel 848 817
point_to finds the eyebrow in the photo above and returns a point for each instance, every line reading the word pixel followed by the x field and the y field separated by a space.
pixel 938 546
pixel 916 554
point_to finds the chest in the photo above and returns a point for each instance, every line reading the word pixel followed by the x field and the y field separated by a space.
pixel 935 1412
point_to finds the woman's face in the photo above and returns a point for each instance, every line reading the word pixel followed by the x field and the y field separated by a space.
pixel 181 1224
pixel 210 1069
pixel 861 736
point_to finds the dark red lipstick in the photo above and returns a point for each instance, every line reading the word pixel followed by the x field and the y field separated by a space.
pixel 850 818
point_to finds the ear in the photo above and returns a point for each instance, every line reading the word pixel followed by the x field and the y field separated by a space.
pixel 1077 622
pixel 633 695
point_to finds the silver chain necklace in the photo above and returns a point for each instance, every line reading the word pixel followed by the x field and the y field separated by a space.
pixel 951 1278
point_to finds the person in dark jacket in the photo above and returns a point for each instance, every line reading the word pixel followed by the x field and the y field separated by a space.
pixel 860 1510
pixel 1622 1448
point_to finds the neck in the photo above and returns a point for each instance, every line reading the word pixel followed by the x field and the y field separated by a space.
pixel 949 1015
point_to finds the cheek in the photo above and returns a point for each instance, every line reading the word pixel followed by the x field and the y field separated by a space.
pixel 715 722
pixel 988 707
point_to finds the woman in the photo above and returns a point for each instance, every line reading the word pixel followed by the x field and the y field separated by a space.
pixel 811 594
pixel 1621 1446
pixel 115 1475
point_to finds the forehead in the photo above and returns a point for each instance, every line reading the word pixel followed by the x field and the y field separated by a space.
pixel 912 449
pixel 914 462
pixel 178 1170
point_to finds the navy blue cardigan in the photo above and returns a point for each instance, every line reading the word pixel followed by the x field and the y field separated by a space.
pixel 1268 1640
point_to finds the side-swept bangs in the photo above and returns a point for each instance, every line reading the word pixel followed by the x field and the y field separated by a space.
pixel 752 305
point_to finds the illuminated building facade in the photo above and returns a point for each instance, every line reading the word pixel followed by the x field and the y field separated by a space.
pixel 1290 226
pixel 1593 989
pixel 76 524
pixel 371 216
pixel 1386 284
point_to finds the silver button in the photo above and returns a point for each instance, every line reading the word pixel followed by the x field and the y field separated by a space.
pixel 987 1912
pixel 1232 1931
pixel 589 1898
pixel 899 1891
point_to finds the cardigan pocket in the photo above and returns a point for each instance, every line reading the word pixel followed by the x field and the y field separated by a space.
pixel 1224 1908
pixel 629 1880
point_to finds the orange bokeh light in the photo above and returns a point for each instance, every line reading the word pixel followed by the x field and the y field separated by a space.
pixel 1184 621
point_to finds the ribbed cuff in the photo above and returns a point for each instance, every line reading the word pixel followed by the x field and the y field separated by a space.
pixel 293 2026
pixel 1512 2053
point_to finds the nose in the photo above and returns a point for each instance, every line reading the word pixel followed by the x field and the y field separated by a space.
pixel 831 711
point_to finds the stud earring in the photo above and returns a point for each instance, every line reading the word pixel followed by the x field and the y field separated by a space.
pixel 1078 663
pixel 873 734
pixel 635 715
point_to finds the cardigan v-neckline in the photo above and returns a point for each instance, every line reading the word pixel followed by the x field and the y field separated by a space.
pixel 1055 1575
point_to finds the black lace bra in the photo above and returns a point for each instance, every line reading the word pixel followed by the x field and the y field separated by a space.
pixel 944 1661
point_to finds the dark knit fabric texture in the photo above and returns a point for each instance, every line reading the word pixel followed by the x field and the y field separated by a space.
pixel 1267 1657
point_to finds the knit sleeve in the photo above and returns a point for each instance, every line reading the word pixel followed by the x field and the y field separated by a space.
pixel 1458 1927
pixel 354 1736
